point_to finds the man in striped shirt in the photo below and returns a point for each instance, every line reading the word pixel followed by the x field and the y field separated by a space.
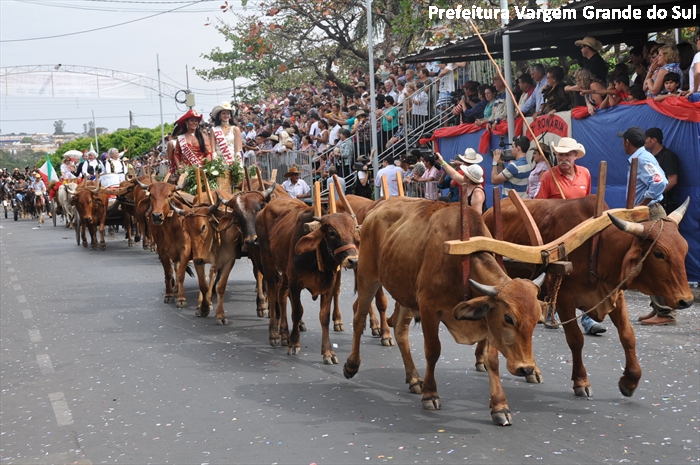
pixel 514 175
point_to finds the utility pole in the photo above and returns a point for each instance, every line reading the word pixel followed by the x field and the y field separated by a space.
pixel 131 120
pixel 160 99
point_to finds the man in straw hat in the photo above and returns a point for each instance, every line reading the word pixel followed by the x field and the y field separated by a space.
pixel 575 181
pixel 593 61
pixel 296 187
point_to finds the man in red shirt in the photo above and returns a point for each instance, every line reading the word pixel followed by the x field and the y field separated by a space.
pixel 575 182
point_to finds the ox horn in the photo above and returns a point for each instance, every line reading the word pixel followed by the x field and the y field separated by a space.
pixel 179 211
pixel 142 185
pixel 95 190
pixel 268 192
pixel 224 201
pixel 483 288
pixel 635 229
pixel 318 218
pixel 539 280
pixel 215 207
pixel 677 215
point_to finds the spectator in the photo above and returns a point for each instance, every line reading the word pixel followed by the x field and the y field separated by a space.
pixel 429 178
pixel 295 187
pixel 345 153
pixel 693 92
pixel 321 139
pixel 475 111
pixel 341 181
pixel 593 62
pixel 447 84
pixel 389 171
pixel 389 119
pixel 533 180
pixel 621 92
pixel 672 83
pixel 389 90
pixel 640 66
pixel 527 87
pixel 490 96
pixel 555 97
pixel 363 186
pixel 513 176
pixel 363 129
pixel 685 59
pixel 536 100
pixel 589 90
pixel 666 61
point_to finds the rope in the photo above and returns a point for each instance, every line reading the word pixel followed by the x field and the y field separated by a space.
pixel 634 272
pixel 552 301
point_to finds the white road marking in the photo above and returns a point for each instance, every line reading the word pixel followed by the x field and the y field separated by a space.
pixel 17 287
pixel 21 298
pixel 45 364
pixel 10 269
pixel 60 409
pixel 27 314
pixel 34 335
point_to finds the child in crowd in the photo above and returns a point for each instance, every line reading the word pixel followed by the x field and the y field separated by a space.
pixel 672 85
pixel 619 92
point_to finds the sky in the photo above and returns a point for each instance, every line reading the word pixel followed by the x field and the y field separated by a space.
pixel 178 38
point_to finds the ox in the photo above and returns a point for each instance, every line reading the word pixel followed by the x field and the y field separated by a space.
pixel 91 203
pixel 285 247
pixel 663 272
pixel 172 241
pixel 65 194
pixel 427 285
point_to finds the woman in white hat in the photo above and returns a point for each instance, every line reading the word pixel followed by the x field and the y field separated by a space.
pixel 470 179
pixel 224 137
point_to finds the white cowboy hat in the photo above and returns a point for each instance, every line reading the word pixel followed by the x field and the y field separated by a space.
pixel 475 173
pixel 219 108
pixel 470 157
pixel 566 145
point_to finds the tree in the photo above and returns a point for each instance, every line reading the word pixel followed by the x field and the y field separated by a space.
pixel 59 127
pixel 26 140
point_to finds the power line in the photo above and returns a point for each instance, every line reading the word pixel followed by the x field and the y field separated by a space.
pixel 110 9
pixel 101 28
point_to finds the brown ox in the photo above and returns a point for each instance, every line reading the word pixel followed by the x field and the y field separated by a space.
pixel 172 241
pixel 427 284
pixel 663 272
pixel 91 204
pixel 286 248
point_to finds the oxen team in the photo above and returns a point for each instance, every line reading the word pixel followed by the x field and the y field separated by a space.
pixel 294 250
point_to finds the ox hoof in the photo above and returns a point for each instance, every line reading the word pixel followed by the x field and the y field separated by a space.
pixel 387 341
pixel 168 299
pixel 103 246
pixel 263 313
pixel 350 370
pixel 535 378
pixel 330 359
pixel 502 417
pixel 285 341
pixel 181 303
pixel 627 392
pixel 416 387
pixel 338 327
pixel 583 391
pixel 294 350
pixel 480 367
pixel 431 403
pixel 131 243
pixel 275 341
pixel 222 321
pixel 376 332
pixel 302 326
pixel 201 313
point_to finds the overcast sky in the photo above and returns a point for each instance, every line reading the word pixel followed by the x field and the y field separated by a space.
pixel 179 38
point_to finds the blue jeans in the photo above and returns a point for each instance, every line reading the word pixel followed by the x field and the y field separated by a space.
pixel 587 322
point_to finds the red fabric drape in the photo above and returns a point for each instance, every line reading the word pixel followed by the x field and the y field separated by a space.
pixel 674 107
pixel 499 129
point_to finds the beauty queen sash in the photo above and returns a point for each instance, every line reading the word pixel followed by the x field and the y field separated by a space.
pixel 190 156
pixel 222 145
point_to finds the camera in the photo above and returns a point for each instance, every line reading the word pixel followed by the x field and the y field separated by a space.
pixel 456 96
pixel 507 153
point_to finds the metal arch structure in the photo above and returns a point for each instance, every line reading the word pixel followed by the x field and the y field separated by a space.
pixel 131 78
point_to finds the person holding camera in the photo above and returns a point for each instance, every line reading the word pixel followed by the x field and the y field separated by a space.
pixel 514 175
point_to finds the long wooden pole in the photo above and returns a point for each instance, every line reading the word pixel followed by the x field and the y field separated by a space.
pixel 517 107
pixel 317 214
pixel 632 185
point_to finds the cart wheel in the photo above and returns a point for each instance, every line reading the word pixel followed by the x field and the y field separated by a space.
pixel 53 212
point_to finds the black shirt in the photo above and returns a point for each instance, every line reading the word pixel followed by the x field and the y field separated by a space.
pixel 668 161
pixel 598 67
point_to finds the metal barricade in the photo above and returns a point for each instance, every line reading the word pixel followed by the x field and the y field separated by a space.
pixel 283 161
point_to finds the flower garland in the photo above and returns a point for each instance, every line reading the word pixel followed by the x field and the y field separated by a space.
pixel 214 169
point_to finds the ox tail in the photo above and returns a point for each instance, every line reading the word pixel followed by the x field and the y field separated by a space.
pixel 218 276
pixel 189 270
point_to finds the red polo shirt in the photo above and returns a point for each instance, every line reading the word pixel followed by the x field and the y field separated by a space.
pixel 579 187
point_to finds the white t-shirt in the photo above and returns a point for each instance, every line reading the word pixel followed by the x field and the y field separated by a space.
pixel 333 136
pixel 447 82
pixel 691 73
pixel 390 173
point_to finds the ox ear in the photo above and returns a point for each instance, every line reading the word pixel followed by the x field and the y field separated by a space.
pixel 632 258
pixel 474 309
pixel 224 223
pixel 309 243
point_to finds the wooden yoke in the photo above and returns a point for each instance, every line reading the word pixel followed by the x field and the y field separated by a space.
pixel 552 251
pixel 498 221
pixel 385 188
pixel 208 189
pixel 533 231
pixel 600 201
pixel 399 179
pixel 261 186
pixel 246 184
pixel 344 200
pixel 632 184
pixel 464 235
pixel 331 199
pixel 273 175
pixel 199 182
pixel 317 214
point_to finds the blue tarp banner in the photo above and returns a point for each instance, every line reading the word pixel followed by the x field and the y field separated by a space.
pixel 598 134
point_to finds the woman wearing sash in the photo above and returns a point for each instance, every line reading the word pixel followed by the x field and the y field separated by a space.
pixel 224 137
pixel 191 148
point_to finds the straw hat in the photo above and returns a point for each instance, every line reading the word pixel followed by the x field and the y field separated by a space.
pixel 219 108
pixel 37 175
pixel 359 113
pixel 470 157
pixel 273 138
pixel 591 42
pixel 566 145
pixel 190 114
pixel 475 173
pixel 293 170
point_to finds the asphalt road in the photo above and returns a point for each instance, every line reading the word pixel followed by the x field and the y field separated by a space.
pixel 97 369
